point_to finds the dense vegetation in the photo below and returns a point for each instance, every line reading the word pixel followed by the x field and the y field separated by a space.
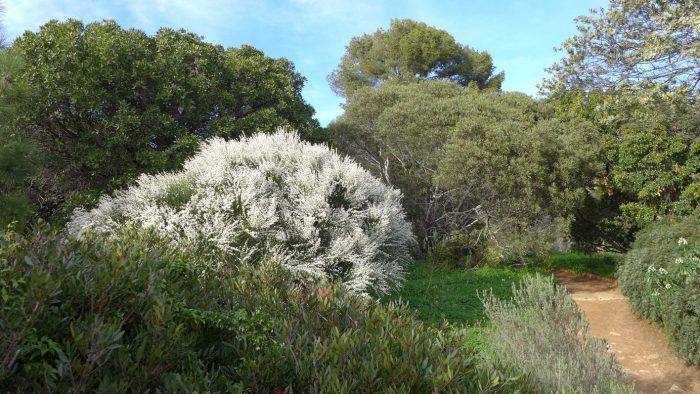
pixel 542 332
pixel 108 104
pixel 132 314
pixel 210 248
pixel 496 170
pixel 271 196
pixel 661 277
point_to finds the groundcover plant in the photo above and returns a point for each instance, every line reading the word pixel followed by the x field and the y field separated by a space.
pixel 271 195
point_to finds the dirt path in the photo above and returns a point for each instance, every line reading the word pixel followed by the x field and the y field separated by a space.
pixel 642 349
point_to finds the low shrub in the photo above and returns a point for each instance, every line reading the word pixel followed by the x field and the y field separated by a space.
pixel 465 248
pixel 661 277
pixel 129 313
pixel 271 196
pixel 109 316
pixel 541 332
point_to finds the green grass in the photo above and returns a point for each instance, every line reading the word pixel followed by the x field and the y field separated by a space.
pixel 602 264
pixel 438 293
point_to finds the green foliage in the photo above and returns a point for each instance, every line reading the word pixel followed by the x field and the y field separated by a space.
pixel 601 264
pixel 542 332
pixel 438 293
pixel 115 103
pixel 408 52
pixel 132 314
pixel 16 165
pixel 465 248
pixel 176 195
pixel 662 280
pixel 464 157
pixel 652 160
pixel 97 315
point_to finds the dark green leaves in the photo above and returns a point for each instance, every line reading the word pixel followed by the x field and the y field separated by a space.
pixel 408 52
pixel 115 103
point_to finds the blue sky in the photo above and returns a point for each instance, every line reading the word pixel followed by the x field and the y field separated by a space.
pixel 520 35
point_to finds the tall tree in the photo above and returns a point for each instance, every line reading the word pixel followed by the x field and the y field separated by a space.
pixel 115 103
pixel 410 51
pixel 632 41
pixel 634 70
pixel 16 165
pixel 15 161
pixel 468 159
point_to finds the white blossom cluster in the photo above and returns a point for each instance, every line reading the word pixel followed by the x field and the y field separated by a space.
pixel 271 195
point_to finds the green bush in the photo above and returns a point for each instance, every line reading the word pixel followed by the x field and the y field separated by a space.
pixel 132 315
pixel 465 248
pixel 542 333
pixel 662 280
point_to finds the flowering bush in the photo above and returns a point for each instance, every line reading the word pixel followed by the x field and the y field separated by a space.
pixel 661 277
pixel 682 271
pixel 271 196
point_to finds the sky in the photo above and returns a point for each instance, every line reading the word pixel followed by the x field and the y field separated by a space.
pixel 520 35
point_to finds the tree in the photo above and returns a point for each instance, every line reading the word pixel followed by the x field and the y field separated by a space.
pixel 652 160
pixel 115 103
pixel 410 51
pixel 468 159
pixel 16 165
pixel 632 41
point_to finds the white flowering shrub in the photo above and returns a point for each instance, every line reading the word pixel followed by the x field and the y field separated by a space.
pixel 271 194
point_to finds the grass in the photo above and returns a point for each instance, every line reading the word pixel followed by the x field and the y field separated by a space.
pixel 603 264
pixel 438 293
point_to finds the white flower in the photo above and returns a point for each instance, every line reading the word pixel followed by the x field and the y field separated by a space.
pixel 663 271
pixel 271 195
pixel 668 285
pixel 682 241
pixel 651 268
pixel 678 260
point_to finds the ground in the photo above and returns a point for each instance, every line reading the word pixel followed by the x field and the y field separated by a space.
pixel 642 349
pixel 440 293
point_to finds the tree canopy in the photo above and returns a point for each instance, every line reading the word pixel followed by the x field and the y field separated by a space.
pixel 634 71
pixel 114 103
pixel 632 41
pixel 463 157
pixel 652 160
pixel 16 164
pixel 407 52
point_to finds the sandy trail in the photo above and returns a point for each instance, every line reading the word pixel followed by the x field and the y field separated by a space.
pixel 642 349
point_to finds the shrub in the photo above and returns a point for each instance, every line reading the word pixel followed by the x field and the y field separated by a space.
pixel 662 280
pixel 541 332
pixel 116 316
pixel 465 248
pixel 131 314
pixel 271 196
